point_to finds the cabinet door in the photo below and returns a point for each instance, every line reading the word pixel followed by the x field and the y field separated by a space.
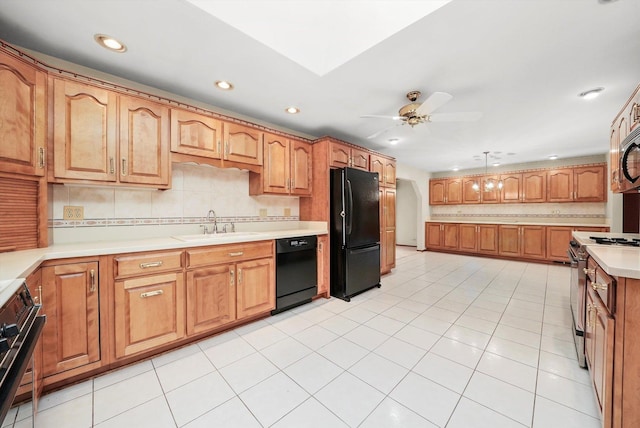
pixel 255 287
pixel 488 238
pixel 468 237
pixel 388 237
pixel 376 164
pixel 84 132
pixel 558 238
pixel 339 155
pixel 276 164
pixel 614 159
pixel 450 236
pixel 491 196
pixel 534 186
pixel 509 240
pixel 589 184
pixel 211 298
pixel 533 242
pixel 469 194
pixel 242 144
pixel 560 185
pixel 454 191
pixel 389 242
pixel 359 159
pixel 149 312
pixel 144 142
pixel 511 188
pixel 195 134
pixel 301 168
pixel 437 191
pixel 434 235
pixel 23 117
pixel 71 335
pixel 390 172
pixel 323 265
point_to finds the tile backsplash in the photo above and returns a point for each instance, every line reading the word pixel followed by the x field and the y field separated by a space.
pixel 195 190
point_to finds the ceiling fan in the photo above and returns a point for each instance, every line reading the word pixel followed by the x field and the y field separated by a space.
pixel 415 113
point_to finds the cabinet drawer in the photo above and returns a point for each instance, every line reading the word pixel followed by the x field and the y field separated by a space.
pixel 228 253
pixel 144 264
pixel 602 284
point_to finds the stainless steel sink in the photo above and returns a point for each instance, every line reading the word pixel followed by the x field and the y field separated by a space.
pixel 229 236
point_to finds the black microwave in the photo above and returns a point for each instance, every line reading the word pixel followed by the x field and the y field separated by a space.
pixel 630 160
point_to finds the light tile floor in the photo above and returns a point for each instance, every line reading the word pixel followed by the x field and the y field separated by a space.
pixel 448 341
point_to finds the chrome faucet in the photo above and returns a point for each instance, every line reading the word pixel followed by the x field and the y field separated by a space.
pixel 211 218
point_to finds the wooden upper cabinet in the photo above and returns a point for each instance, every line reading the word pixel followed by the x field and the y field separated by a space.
pixel 242 144
pixel 469 194
pixel 490 196
pixel 84 132
pixel 23 117
pixel 342 155
pixel 287 168
pixel 511 188
pixel 301 168
pixel 359 159
pixel 277 161
pixel 386 169
pixel 534 186
pixel 437 191
pixel 454 191
pixel 589 183
pixel 144 142
pixel 196 134
pixel 560 185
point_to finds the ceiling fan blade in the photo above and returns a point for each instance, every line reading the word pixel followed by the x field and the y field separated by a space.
pixel 470 116
pixel 382 117
pixel 382 131
pixel 434 102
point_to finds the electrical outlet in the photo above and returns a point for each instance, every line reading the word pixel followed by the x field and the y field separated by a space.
pixel 263 212
pixel 70 212
pixel 287 212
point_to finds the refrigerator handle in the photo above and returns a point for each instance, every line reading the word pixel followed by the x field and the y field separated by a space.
pixel 349 207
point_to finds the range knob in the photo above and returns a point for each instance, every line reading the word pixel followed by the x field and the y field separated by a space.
pixel 10 330
pixel 4 346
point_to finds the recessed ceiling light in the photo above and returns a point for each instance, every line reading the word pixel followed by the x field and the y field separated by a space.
pixel 496 164
pixel 591 93
pixel 224 85
pixel 553 157
pixel 292 110
pixel 455 168
pixel 393 141
pixel 110 43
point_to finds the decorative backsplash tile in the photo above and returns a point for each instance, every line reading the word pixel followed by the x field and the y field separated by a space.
pixel 595 210
pixel 195 190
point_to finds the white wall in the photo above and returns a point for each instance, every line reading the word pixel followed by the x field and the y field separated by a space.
pixel 421 180
pixel 406 212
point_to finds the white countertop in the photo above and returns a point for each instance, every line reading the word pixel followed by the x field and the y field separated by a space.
pixel 618 261
pixel 15 266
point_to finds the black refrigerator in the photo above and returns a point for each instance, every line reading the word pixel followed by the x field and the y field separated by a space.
pixel 355 232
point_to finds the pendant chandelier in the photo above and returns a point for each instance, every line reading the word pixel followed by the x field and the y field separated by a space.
pixel 489 184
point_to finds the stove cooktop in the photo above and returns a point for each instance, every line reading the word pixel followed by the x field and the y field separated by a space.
pixel 634 242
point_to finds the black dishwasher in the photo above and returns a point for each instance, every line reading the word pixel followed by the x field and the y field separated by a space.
pixel 296 272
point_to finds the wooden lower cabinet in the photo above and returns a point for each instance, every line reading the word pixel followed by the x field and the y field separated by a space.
pixel 228 283
pixel 488 238
pixel 522 241
pixel 558 238
pixel 149 312
pixel 71 335
pixel 441 236
pixel 509 240
pixel 468 237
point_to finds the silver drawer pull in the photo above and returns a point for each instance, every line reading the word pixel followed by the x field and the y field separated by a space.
pixel 237 253
pixel 150 264
pixel 152 293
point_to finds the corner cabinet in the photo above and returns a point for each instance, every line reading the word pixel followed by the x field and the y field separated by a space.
pixel 148 301
pixel 23 117
pixel 94 139
pixel 71 335
pixel 287 168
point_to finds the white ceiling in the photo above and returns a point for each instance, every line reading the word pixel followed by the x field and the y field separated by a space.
pixel 519 62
